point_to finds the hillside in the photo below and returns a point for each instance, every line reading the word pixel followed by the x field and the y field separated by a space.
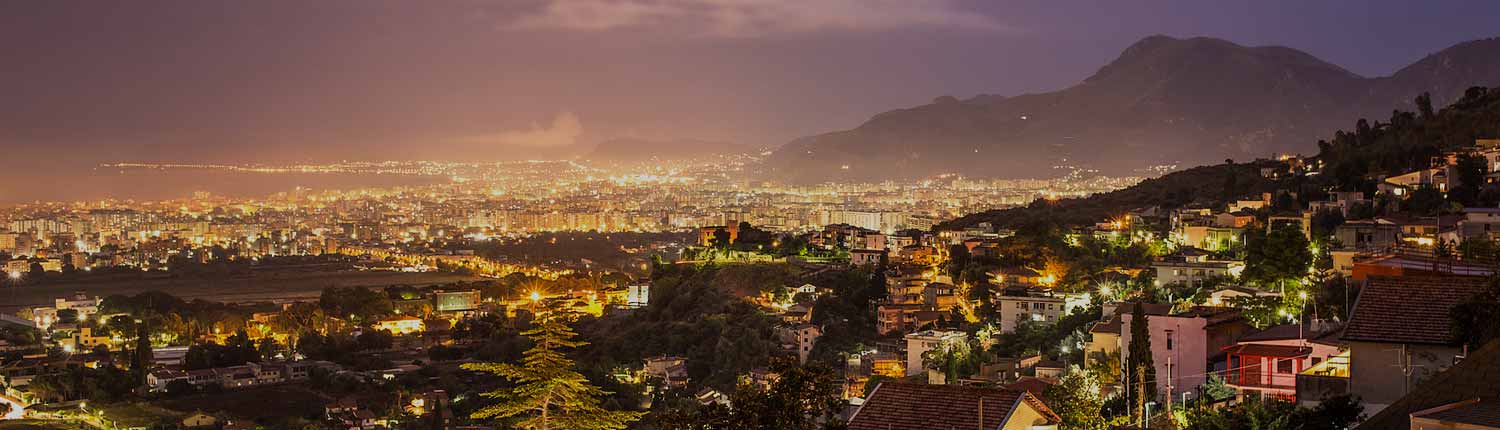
pixel 1163 101
pixel 1408 140
pixel 1204 185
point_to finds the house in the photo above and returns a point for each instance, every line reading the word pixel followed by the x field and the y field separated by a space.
pixel 1028 306
pixel 1399 334
pixel 1207 236
pixel 1228 294
pixel 866 257
pixel 401 325
pixel 906 406
pixel 1104 335
pixel 799 337
pixel 1001 370
pixel 1483 223
pixel 1182 344
pixel 920 342
pixel 1462 397
pixel 672 370
pixel 1404 184
pixel 1265 364
pixel 1368 234
pixel 1048 369
pixel 1190 268
pixel 83 339
pixel 43 317
pixel 158 379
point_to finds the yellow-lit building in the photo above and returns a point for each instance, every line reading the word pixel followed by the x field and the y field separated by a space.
pixel 401 325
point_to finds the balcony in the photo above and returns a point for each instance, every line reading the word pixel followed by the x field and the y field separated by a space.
pixel 1327 379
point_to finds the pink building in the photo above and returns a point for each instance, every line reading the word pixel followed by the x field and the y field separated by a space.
pixel 1182 344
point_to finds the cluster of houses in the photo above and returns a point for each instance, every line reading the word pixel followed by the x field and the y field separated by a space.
pixel 241 376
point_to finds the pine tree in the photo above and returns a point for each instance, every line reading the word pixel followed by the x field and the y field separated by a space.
pixel 142 358
pixel 1140 360
pixel 549 394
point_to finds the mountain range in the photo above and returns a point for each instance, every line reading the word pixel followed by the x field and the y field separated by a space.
pixel 1164 101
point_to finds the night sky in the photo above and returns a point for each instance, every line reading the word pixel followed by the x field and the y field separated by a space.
pixel 271 81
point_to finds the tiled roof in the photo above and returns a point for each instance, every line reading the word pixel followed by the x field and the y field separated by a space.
pixel 904 406
pixel 1034 385
pixel 1112 324
pixel 1483 412
pixel 1409 309
pixel 1262 350
pixel 1476 377
pixel 1280 332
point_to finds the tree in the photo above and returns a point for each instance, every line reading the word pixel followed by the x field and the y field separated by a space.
pixel 141 358
pixel 1425 201
pixel 801 398
pixel 549 393
pixel 1077 401
pixel 1142 367
pixel 1277 256
pixel 1424 106
pixel 958 260
pixel 1476 321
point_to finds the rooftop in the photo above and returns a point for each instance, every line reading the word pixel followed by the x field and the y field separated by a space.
pixel 899 406
pixel 1409 309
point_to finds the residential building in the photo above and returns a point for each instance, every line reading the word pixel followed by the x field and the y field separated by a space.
pixel 920 342
pixel 1399 334
pixel 401 325
pixel 1028 306
pixel 1104 335
pixel 1183 343
pixel 1460 398
pixel 1193 267
pixel 1265 364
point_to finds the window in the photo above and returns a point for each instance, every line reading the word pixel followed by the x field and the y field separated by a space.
pixel 1169 340
pixel 1284 366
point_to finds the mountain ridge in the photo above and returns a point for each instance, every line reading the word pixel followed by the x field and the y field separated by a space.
pixel 1163 100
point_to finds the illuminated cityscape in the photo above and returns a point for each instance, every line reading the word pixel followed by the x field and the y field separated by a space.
pixel 749 214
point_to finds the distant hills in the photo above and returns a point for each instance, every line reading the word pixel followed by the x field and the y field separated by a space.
pixel 1163 101
pixel 634 150
pixel 1403 142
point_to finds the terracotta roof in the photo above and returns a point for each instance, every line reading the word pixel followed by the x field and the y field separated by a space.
pixel 1482 412
pixel 1476 377
pixel 1409 309
pixel 1262 350
pixel 905 406
pixel 1034 385
pixel 1112 324
pixel 1280 332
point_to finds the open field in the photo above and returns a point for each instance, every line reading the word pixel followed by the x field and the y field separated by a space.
pixel 262 285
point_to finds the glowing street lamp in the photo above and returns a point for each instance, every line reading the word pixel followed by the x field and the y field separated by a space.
pixel 535 296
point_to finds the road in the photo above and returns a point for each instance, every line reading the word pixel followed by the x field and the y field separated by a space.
pixel 15 410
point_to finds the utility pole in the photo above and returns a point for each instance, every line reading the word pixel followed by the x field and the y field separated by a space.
pixel 1169 383
pixel 1140 392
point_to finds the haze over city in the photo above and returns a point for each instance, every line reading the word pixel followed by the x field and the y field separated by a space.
pixel 749 214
